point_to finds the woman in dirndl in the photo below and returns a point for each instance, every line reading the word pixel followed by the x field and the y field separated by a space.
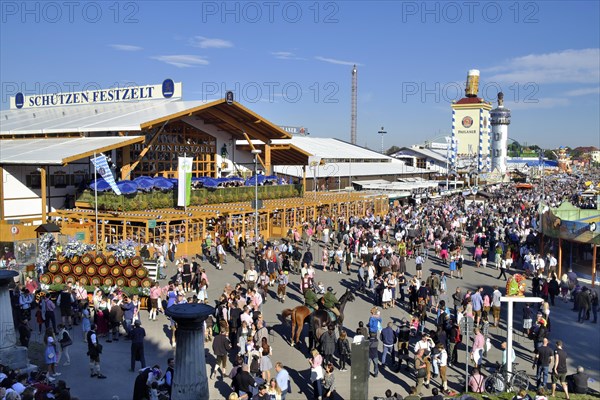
pixel 51 354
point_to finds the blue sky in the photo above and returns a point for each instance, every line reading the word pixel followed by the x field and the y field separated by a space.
pixel 291 61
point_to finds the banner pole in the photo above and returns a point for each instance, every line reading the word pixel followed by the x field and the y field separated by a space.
pixel 96 201
pixel 185 193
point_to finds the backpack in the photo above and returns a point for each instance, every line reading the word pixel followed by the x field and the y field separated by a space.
pixel 255 366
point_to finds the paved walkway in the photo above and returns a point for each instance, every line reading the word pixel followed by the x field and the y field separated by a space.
pixel 581 340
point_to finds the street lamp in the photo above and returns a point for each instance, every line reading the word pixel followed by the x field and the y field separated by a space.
pixel 381 132
pixel 256 152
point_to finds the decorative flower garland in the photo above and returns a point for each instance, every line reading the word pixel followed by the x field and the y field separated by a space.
pixel 75 248
pixel 46 251
pixel 124 250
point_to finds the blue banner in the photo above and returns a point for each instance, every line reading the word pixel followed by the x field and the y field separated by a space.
pixel 103 169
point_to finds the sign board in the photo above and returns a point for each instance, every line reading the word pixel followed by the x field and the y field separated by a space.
pixel 166 90
pixel 295 130
pixel 80 236
pixel 151 223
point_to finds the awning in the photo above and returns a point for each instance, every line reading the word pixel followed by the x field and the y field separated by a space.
pixel 59 151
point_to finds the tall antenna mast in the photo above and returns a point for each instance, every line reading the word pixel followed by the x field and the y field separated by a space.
pixel 353 111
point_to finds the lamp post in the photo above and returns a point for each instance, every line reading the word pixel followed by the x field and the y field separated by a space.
pixel 381 132
pixel 256 152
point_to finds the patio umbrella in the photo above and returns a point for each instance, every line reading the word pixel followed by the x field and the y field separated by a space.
pixel 145 177
pixel 127 187
pixel 210 182
pixel 251 181
pixel 144 183
pixel 162 183
pixel 100 185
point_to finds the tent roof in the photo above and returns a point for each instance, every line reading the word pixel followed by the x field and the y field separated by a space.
pixel 59 151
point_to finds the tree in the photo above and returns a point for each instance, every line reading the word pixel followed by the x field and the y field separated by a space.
pixel 392 150
pixel 549 154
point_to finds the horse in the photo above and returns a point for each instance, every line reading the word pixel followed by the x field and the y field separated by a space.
pixel 321 317
pixel 300 314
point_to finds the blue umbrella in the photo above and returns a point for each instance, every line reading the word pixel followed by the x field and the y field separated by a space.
pixel 210 183
pixel 251 181
pixel 139 178
pixel 100 185
pixel 163 183
pixel 144 184
pixel 127 187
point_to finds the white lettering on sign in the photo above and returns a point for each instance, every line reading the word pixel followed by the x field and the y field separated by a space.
pixel 168 89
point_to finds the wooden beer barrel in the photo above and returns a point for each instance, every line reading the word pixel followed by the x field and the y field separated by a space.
pixel 123 262
pixel 147 283
pixel 53 267
pixel 87 259
pixel 128 271
pixel 46 279
pixel 141 272
pixel 99 259
pixel 95 280
pixel 65 269
pixel 111 260
pixel 61 259
pixel 84 280
pixel 108 281
pixel 116 271
pixel 70 279
pixel 91 270
pixel 58 279
pixel 121 281
pixel 136 261
pixel 79 269
pixel 74 260
pixel 103 270
pixel 134 282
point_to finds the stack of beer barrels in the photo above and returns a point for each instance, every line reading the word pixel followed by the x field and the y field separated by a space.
pixel 97 270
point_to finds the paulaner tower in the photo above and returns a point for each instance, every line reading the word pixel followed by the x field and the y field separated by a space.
pixel 499 119
pixel 471 128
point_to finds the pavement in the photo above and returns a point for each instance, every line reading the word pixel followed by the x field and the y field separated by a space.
pixel 581 341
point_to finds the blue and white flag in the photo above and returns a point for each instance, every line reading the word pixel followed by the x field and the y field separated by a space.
pixel 103 169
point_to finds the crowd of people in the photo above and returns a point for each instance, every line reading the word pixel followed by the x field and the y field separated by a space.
pixel 500 234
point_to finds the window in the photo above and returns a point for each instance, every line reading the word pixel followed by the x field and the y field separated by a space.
pixel 79 178
pixel 422 163
pixel 34 180
pixel 59 179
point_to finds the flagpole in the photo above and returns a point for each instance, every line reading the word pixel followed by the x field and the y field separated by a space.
pixel 96 200
pixel 184 197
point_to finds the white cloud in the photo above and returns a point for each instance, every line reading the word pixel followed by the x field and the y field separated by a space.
pixel 182 60
pixel 540 104
pixel 335 61
pixel 286 55
pixel 208 43
pixel 583 91
pixel 125 47
pixel 567 66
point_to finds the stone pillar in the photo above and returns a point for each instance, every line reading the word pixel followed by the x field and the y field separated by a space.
pixel 10 354
pixel 190 381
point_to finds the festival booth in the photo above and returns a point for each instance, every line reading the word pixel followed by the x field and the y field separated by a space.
pixel 581 229
pixel 47 143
